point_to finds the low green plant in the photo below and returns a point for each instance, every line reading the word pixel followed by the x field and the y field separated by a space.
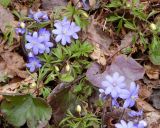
pixel 89 120
pixel 80 16
pixel 65 63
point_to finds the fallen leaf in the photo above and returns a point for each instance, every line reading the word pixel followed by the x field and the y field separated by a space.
pixel 122 64
pixel 60 99
pixel 52 4
pixel 152 71
pixel 155 98
pixel 151 83
pixel 96 35
pixel 7 18
pixel 98 55
pixel 15 64
pixel 144 92
pixel 127 67
pixel 13 87
pixel 127 40
pixel 152 116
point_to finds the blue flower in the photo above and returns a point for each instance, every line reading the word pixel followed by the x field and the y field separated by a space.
pixel 34 44
pixel 44 36
pixel 123 124
pixel 74 29
pixel 21 28
pixel 134 113
pixel 33 64
pixel 132 96
pixel 142 124
pixel 39 16
pixel 65 30
pixel 115 85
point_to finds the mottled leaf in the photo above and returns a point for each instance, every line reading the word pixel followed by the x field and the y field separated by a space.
pixel 21 109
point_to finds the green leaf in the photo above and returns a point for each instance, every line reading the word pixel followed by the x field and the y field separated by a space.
pixel 154 51
pixel 120 25
pixel 113 18
pixel 114 4
pixel 129 25
pixel 5 3
pixel 66 78
pixel 21 109
pixel 140 14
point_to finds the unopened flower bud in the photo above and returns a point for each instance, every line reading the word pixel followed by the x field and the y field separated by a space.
pixel 56 68
pixel 153 26
pixel 128 5
pixel 33 84
pixel 67 67
pixel 85 14
pixel 22 25
pixel 78 108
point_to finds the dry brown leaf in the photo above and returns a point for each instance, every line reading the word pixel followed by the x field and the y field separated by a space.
pixel 151 83
pixel 127 40
pixel 155 98
pixel 96 35
pixel 144 92
pixel 98 55
pixel 152 116
pixel 15 64
pixel 6 18
pixel 52 4
pixel 152 71
pixel 13 87
pixel 143 105
pixel 101 41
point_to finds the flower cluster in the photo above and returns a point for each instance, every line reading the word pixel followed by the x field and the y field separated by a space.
pixel 114 86
pixel 130 124
pixel 38 42
pixel 65 30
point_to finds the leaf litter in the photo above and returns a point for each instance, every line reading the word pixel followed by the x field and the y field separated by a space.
pixel 118 46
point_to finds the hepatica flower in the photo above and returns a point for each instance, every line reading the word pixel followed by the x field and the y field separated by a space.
pixel 142 124
pixel 114 85
pixel 44 36
pixel 123 124
pixel 134 113
pixel 65 30
pixel 21 28
pixel 34 44
pixel 39 16
pixel 132 96
pixel 33 64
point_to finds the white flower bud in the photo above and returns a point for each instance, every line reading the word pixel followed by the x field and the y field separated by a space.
pixel 33 84
pixel 153 26
pixel 22 25
pixel 67 67
pixel 128 5
pixel 56 68
pixel 78 108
